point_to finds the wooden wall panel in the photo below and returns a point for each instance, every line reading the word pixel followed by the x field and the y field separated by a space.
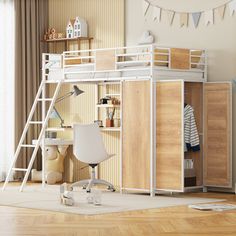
pixel 106 25
pixel 169 136
pixel 105 60
pixel 217 135
pixel 136 135
pixel 180 58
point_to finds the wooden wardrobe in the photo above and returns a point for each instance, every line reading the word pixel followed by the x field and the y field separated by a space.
pixel 157 163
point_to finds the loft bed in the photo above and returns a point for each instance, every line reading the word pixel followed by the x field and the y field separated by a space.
pixel 125 63
pixel 149 62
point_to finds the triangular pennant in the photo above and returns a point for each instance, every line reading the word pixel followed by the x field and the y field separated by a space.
pixel 209 17
pixel 232 7
pixel 170 16
pixel 145 7
pixel 156 14
pixel 196 17
pixel 183 19
pixel 221 11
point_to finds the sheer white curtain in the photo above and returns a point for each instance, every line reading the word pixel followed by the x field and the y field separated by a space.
pixel 7 69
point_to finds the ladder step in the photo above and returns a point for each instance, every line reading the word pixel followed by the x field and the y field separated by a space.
pixel 36 122
pixel 52 81
pixel 28 145
pixel 45 99
pixel 19 169
pixel 30 120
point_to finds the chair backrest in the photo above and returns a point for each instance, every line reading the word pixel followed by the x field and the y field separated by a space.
pixel 88 144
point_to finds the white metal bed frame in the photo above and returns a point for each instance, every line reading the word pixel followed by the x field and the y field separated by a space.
pixel 133 54
pixel 124 56
pixel 148 65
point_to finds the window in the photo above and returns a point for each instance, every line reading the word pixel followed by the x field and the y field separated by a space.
pixel 6 85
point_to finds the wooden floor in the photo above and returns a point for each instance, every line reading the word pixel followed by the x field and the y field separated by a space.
pixel 172 221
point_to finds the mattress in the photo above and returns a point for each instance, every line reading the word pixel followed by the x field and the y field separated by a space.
pixel 80 72
pixel 84 71
pixel 190 75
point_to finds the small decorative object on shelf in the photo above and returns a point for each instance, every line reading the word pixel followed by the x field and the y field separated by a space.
pixel 77 28
pixel 115 101
pixel 109 123
pixel 109 101
pixel 104 100
pixel 99 122
pixel 110 116
pixel 52 34
pixel 116 123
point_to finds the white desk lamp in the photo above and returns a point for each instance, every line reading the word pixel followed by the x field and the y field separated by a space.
pixel 55 114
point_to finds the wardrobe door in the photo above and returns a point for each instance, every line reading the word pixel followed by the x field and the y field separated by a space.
pixel 217 135
pixel 136 135
pixel 169 136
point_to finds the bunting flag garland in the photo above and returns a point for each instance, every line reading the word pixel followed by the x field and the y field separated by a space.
pixel 209 14
pixel 209 17
pixel 183 19
pixel 232 7
pixel 170 16
pixel 157 14
pixel 196 18
pixel 221 11
pixel 145 7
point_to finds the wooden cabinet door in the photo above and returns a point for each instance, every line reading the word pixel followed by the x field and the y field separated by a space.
pixel 136 135
pixel 169 135
pixel 217 135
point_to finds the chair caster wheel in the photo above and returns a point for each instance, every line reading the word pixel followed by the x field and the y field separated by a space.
pixel 111 189
pixel 84 187
pixel 88 191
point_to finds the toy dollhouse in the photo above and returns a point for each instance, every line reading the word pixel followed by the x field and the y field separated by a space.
pixel 77 28
pixel 70 29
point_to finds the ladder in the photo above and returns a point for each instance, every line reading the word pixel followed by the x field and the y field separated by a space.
pixel 40 97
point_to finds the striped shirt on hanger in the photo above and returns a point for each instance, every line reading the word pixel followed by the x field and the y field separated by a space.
pixel 191 136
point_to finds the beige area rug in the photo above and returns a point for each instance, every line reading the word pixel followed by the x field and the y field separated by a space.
pixel 36 197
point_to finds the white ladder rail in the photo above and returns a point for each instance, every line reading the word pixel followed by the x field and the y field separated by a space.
pixel 20 144
pixel 40 137
pixel 17 152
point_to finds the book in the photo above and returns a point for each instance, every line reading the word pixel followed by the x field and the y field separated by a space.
pixel 213 207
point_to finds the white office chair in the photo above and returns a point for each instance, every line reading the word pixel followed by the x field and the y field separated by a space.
pixel 89 148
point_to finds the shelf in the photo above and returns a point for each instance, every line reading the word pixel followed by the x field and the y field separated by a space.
pixel 66 39
pixel 58 129
pixel 114 129
pixel 112 94
pixel 107 105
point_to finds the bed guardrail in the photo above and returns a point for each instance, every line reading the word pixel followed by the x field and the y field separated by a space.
pixel 126 59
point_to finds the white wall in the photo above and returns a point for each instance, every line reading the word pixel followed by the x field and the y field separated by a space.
pixel 219 39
